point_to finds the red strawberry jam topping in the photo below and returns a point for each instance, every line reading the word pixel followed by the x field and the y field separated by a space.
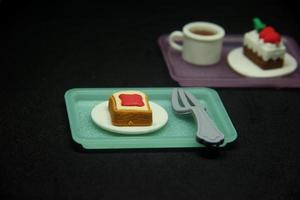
pixel 131 100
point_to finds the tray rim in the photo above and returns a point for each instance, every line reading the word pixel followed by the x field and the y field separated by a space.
pixel 248 82
pixel 177 141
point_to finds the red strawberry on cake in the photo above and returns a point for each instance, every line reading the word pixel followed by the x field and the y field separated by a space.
pixel 264 46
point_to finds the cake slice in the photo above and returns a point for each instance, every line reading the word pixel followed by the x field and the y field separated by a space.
pixel 130 108
pixel 264 46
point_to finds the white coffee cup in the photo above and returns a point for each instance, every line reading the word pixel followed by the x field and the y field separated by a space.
pixel 202 42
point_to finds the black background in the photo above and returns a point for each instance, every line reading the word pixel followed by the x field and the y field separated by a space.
pixel 48 48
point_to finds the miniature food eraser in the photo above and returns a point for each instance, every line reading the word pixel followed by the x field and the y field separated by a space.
pixel 264 46
pixel 130 108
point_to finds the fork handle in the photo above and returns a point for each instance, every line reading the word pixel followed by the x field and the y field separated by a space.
pixel 207 131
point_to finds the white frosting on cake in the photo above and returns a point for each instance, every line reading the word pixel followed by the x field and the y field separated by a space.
pixel 119 102
pixel 265 50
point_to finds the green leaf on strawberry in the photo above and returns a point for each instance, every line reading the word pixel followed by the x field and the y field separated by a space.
pixel 258 24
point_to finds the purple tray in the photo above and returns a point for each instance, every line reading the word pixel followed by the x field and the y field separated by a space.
pixel 221 75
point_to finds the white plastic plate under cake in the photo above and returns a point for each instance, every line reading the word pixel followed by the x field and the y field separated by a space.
pixel 101 116
pixel 242 65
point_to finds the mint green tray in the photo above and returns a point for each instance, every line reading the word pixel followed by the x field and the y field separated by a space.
pixel 179 132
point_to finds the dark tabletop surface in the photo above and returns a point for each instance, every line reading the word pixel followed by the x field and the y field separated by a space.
pixel 50 48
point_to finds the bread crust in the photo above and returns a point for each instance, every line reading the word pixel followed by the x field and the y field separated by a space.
pixel 123 117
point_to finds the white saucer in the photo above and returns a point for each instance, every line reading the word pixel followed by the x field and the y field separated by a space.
pixel 101 116
pixel 242 65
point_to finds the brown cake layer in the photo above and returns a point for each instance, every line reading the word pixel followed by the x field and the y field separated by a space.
pixel 122 117
pixel 270 64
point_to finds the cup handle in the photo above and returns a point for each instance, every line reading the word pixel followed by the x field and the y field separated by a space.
pixel 174 37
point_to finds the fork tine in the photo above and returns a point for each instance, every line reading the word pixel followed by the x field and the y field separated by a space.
pixel 192 99
pixel 175 102
pixel 183 98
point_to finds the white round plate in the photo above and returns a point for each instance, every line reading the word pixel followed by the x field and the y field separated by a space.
pixel 101 116
pixel 242 65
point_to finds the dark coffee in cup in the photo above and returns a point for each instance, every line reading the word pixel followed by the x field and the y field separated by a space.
pixel 203 32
